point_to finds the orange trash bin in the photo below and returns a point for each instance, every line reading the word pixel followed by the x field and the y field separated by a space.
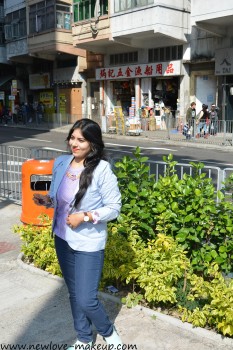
pixel 36 178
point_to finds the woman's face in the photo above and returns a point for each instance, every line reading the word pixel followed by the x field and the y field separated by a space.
pixel 79 146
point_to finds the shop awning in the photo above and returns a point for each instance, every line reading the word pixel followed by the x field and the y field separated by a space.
pixel 5 79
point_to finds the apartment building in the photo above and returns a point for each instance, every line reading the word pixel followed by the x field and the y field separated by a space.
pixel 158 49
pixel 45 65
pixel 83 57
pixel 143 44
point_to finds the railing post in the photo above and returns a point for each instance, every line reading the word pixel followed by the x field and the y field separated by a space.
pixel 224 132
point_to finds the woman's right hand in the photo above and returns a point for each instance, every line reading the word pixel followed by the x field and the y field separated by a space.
pixel 42 200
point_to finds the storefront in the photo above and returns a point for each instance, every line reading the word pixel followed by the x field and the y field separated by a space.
pixel 60 96
pixel 147 83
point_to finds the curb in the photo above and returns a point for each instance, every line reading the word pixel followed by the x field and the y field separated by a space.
pixel 35 270
pixel 202 332
pixel 171 142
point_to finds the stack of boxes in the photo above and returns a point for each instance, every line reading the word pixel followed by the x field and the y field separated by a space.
pixel 134 122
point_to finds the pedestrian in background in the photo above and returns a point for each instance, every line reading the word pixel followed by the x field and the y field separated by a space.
pixel 85 195
pixel 191 113
pixel 191 117
pixel 203 121
pixel 24 109
pixel 213 120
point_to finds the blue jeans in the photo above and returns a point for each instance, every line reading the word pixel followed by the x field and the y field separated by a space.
pixel 82 273
pixel 200 126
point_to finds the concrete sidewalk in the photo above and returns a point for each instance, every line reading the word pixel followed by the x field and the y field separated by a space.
pixel 35 309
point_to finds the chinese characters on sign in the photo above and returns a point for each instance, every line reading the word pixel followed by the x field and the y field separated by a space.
pixel 139 71
pixel 224 61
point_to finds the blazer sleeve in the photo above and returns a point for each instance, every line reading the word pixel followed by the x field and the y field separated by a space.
pixel 110 195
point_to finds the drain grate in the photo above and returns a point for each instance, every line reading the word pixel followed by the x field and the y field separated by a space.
pixel 6 247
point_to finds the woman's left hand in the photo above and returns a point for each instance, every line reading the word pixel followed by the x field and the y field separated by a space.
pixel 74 220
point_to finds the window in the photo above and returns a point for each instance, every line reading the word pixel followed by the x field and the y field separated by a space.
pixel 124 58
pixel 63 20
pixel 48 15
pixel 170 53
pixel 15 25
pixel 125 5
pixel 87 9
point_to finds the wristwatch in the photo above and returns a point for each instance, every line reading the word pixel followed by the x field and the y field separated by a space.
pixel 86 217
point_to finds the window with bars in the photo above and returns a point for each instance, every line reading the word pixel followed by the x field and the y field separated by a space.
pixel 125 5
pixel 87 9
pixel 49 15
pixel 170 53
pixel 124 58
pixel 15 25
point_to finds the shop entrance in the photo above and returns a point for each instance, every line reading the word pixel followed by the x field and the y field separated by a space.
pixel 123 91
pixel 165 92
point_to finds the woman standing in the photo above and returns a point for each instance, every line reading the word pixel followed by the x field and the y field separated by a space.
pixel 85 195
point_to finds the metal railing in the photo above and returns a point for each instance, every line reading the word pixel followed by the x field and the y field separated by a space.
pixel 164 128
pixel 173 128
pixel 12 158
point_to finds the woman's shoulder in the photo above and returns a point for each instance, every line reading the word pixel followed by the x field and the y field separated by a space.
pixel 103 168
pixel 62 158
pixel 103 164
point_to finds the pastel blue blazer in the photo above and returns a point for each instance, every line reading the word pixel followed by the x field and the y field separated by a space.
pixel 102 197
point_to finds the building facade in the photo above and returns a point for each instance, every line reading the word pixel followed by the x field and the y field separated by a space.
pixel 45 66
pixel 84 57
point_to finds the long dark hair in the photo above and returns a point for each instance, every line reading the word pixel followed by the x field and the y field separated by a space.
pixel 92 133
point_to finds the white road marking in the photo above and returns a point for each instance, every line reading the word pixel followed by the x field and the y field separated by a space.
pixel 117 150
pixel 31 139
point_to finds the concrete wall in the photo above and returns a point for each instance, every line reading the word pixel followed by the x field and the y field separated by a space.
pixel 164 17
pixel 207 9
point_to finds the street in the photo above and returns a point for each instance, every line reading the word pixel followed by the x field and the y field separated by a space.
pixel 119 146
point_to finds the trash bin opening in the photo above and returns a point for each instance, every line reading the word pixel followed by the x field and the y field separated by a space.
pixel 40 182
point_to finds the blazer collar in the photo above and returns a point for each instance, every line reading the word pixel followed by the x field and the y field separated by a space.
pixel 61 169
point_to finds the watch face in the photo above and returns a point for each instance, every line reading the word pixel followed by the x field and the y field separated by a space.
pixel 86 218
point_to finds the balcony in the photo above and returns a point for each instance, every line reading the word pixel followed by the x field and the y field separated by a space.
pixel 50 30
pixel 46 45
pixel 130 25
pixel 91 27
pixel 213 17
